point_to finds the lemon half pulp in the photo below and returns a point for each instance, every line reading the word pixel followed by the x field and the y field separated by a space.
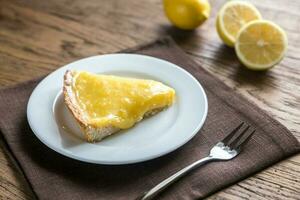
pixel 232 17
pixel 261 44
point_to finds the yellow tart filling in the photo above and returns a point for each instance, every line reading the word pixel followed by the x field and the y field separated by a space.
pixel 117 101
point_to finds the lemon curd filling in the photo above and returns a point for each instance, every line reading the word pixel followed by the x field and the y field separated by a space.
pixel 117 101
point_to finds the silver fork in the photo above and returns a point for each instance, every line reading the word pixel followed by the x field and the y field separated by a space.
pixel 226 149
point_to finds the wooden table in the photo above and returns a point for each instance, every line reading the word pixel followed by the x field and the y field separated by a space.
pixel 37 37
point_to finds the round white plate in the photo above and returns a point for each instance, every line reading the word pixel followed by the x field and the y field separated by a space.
pixel 158 135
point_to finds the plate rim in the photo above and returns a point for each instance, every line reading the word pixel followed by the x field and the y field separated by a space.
pixel 132 161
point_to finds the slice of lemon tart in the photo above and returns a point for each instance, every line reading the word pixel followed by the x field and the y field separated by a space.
pixel 105 104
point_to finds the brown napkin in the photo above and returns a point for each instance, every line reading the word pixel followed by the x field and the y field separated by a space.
pixel 53 176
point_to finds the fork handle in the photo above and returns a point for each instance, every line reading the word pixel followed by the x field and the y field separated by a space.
pixel 165 183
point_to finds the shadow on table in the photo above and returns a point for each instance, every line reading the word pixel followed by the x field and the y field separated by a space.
pixel 222 54
pixel 239 73
pixel 180 36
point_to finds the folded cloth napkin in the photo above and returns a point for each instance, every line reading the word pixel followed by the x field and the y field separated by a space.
pixel 53 176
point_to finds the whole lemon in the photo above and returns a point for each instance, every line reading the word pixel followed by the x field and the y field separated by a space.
pixel 187 14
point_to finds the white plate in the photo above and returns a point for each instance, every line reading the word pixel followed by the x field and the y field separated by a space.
pixel 153 137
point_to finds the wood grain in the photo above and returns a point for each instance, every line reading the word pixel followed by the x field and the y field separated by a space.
pixel 37 37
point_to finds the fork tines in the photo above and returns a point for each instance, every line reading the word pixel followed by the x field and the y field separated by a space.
pixel 238 137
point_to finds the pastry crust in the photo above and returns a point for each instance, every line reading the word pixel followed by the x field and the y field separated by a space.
pixel 91 133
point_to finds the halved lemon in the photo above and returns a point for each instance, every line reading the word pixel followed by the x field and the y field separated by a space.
pixel 232 17
pixel 261 44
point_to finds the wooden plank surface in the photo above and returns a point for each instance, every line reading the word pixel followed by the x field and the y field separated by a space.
pixel 37 37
